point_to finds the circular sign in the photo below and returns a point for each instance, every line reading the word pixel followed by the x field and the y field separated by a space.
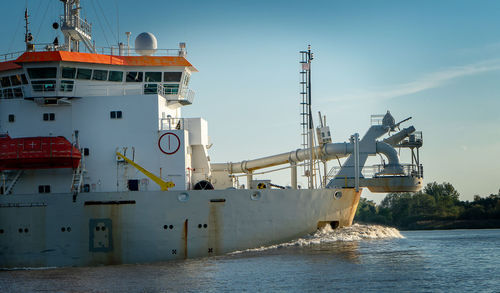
pixel 169 143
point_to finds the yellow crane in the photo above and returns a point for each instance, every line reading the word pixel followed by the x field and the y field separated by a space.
pixel 164 185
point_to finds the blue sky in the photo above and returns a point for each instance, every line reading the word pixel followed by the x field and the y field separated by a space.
pixel 437 61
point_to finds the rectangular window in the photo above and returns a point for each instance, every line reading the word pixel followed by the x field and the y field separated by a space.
pixel 115 76
pixel 171 89
pixel 12 118
pixel 43 85
pixel 172 76
pixel 153 76
pixel 83 73
pixel 67 85
pixel 100 75
pixel 15 79
pixel 24 80
pixel 115 114
pixel 86 151
pixel 5 81
pixel 150 89
pixel 43 188
pixel 42 72
pixel 68 72
pixel 49 116
pixel 7 94
pixel 18 93
pixel 133 184
pixel 134 76
pixel 186 79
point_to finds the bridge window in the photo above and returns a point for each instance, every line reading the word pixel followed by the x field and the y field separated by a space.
pixel 100 75
pixel 7 94
pixel 15 79
pixel 153 76
pixel 115 76
pixel 172 76
pixel 18 93
pixel 134 76
pixel 67 85
pixel 150 89
pixel 43 85
pixel 83 73
pixel 171 89
pixel 68 72
pixel 42 72
pixel 5 81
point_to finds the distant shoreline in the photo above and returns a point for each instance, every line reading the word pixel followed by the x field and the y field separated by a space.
pixel 448 224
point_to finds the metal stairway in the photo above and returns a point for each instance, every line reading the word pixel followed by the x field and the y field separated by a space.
pixel 9 182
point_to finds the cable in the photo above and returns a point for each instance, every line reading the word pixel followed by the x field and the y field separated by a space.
pixel 106 19
pixel 100 24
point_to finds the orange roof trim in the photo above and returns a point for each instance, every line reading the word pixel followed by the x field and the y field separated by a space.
pixel 29 57
pixel 9 65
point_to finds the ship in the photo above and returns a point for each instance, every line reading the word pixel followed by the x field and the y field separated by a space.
pixel 99 167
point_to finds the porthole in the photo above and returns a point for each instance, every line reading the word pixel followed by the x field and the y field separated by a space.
pixel 1 231
pixel 205 225
pixel 199 226
pixel 68 229
pixel 182 197
pixel 171 226
pixel 165 227
pixel 20 230
pixel 256 195
pixel 63 229
pixel 26 230
pixel 337 194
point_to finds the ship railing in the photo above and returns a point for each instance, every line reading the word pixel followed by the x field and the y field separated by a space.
pixel 182 95
pixel 126 51
pixel 76 22
pixel 170 123
pixel 376 171
pixel 10 56
pixel 376 119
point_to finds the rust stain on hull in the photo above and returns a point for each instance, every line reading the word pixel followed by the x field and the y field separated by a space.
pixel 354 206
pixel 185 238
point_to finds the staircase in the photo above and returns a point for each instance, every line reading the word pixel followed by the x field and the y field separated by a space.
pixel 9 180
pixel 77 180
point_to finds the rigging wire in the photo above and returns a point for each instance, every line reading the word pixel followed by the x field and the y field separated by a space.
pixel 106 19
pixel 15 34
pixel 100 24
pixel 43 20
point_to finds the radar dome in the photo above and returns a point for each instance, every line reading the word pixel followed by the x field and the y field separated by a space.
pixel 145 44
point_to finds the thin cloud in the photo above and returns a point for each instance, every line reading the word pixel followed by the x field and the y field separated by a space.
pixel 430 81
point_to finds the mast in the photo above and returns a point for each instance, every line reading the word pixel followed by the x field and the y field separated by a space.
pixel 28 37
pixel 74 28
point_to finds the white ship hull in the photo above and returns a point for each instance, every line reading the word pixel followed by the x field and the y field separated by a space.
pixel 135 227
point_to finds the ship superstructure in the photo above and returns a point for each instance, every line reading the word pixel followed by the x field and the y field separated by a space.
pixel 97 165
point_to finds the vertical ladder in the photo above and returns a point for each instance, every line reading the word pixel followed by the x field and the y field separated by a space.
pixel 306 115
pixel 77 180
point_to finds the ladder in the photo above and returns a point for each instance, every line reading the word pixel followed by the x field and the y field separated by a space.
pixel 77 180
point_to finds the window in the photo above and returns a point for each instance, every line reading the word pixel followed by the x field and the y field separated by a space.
pixel 86 151
pixel 12 118
pixel 5 81
pixel 83 73
pixel 171 89
pixel 150 89
pixel 133 184
pixel 172 76
pixel 186 79
pixel 43 85
pixel 49 116
pixel 100 75
pixel 24 80
pixel 42 72
pixel 15 79
pixel 67 85
pixel 7 93
pixel 43 188
pixel 68 72
pixel 115 76
pixel 18 93
pixel 134 76
pixel 115 114
pixel 153 76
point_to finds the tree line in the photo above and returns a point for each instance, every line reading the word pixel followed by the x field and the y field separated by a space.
pixel 437 206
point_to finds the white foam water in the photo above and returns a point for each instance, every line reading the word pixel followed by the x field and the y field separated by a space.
pixel 355 232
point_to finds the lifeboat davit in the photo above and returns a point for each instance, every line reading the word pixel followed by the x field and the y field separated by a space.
pixel 37 153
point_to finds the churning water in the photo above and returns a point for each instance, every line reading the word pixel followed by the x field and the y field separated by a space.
pixel 355 259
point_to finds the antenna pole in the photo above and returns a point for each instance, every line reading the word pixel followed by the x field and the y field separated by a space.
pixel 28 38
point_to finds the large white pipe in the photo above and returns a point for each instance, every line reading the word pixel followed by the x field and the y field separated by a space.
pixel 328 151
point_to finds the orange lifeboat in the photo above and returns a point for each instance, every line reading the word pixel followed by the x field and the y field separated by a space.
pixel 37 153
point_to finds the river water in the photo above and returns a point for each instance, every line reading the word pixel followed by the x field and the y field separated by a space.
pixel 355 259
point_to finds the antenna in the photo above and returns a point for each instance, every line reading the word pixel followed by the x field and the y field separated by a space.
pixel 28 37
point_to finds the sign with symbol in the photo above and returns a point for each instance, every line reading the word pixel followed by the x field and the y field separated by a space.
pixel 169 143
